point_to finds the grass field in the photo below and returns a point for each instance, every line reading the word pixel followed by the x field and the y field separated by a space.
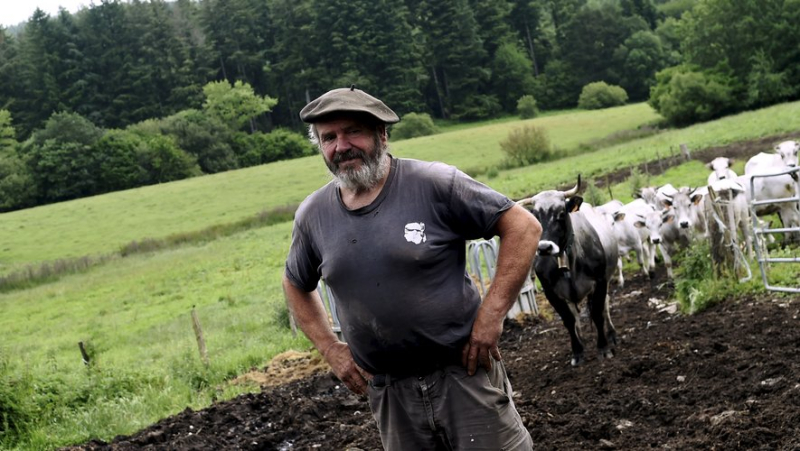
pixel 102 224
pixel 133 313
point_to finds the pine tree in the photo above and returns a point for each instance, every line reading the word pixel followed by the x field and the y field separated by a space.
pixel 38 95
pixel 456 54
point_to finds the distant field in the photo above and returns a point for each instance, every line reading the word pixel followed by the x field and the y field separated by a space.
pixel 134 313
pixel 529 180
pixel 102 224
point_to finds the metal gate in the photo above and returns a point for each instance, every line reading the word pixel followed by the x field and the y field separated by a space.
pixel 760 233
pixel 481 264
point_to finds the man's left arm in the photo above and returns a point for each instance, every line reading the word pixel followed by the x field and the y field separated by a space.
pixel 519 233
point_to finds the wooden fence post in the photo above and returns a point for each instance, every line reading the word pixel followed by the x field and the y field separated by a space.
pixel 685 152
pixel 721 235
pixel 84 354
pixel 198 334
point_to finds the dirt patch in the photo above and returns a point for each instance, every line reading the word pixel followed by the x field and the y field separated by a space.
pixel 284 368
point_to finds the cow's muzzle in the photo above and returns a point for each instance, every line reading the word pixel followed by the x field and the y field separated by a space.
pixel 547 248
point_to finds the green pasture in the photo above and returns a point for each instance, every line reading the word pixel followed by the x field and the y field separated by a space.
pixel 517 183
pixel 102 224
pixel 133 313
pixel 134 316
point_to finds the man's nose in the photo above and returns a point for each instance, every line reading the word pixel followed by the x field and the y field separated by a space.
pixel 342 143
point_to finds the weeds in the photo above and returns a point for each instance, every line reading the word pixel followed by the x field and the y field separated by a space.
pixel 527 145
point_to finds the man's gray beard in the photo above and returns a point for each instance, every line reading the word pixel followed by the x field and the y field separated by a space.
pixel 366 177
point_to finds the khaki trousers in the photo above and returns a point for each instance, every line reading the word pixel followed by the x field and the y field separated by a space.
pixel 448 410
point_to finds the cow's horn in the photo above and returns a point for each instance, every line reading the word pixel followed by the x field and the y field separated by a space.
pixel 526 201
pixel 574 190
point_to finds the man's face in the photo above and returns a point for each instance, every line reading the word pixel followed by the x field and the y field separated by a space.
pixel 353 151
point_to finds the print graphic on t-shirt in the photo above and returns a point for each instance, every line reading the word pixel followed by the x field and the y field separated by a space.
pixel 415 232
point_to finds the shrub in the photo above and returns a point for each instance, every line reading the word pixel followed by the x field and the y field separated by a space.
pixel 413 125
pixel 595 96
pixel 163 161
pixel 279 144
pixel 118 167
pixel 204 136
pixel 526 145
pixel 526 107
pixel 684 96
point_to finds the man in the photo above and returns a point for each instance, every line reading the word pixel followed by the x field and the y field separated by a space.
pixel 388 235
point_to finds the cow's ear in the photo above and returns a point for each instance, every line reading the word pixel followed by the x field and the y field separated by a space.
pixel 696 198
pixel 709 165
pixel 619 216
pixel 667 218
pixel 639 224
pixel 730 162
pixel 574 204
pixel 667 202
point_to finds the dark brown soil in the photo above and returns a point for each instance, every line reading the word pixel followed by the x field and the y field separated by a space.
pixel 726 378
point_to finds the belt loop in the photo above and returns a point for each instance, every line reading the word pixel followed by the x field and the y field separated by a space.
pixel 381 380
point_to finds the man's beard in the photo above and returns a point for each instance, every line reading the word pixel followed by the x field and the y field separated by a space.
pixel 370 173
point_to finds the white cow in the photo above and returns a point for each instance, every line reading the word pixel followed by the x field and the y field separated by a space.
pixel 626 235
pixel 647 221
pixel 731 192
pixel 684 220
pixel 785 152
pixel 774 187
pixel 655 196
pixel 721 169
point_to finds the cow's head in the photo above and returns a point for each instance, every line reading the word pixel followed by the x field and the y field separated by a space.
pixel 651 221
pixel 552 209
pixel 788 152
pixel 721 167
pixel 685 205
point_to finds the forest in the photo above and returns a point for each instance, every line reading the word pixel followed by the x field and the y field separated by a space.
pixel 126 94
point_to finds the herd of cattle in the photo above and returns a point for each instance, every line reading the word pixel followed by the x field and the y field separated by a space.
pixel 582 246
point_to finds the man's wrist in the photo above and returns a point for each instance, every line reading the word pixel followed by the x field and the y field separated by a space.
pixel 328 348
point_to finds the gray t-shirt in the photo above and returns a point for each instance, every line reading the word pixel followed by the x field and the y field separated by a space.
pixel 397 266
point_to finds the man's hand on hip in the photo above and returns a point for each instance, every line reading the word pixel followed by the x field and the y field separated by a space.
pixel 340 359
pixel 482 344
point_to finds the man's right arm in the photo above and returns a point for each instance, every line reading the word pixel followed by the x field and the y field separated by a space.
pixel 312 318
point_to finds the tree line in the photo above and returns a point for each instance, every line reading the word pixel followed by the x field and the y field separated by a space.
pixel 158 91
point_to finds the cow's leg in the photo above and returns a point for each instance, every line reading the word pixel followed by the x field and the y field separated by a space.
pixel 641 256
pixel 667 259
pixel 621 279
pixel 569 316
pixel 606 333
pixel 650 253
pixel 744 226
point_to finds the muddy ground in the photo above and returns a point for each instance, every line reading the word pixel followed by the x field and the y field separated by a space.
pixel 726 378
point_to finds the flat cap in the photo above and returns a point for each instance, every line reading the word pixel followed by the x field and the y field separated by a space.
pixel 347 100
